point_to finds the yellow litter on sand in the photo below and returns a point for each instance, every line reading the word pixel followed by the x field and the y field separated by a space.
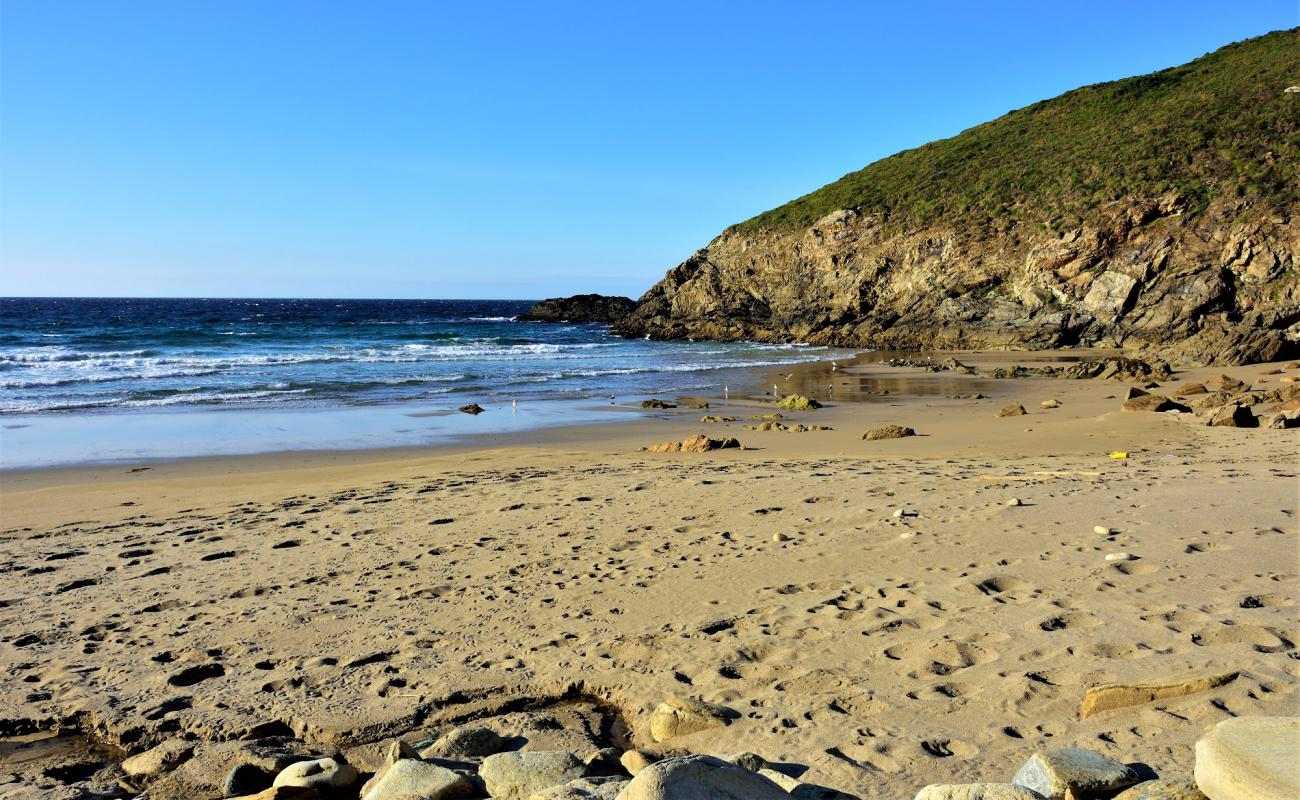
pixel 1119 454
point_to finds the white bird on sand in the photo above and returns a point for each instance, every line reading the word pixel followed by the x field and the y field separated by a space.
pixel 789 376
pixel 514 406
pixel 834 366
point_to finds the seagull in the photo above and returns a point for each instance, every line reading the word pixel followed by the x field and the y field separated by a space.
pixel 788 377
pixel 834 366
pixel 514 406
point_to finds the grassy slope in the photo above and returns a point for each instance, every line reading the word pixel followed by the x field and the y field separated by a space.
pixel 1219 126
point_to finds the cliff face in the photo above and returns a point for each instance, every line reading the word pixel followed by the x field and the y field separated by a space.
pixel 1196 256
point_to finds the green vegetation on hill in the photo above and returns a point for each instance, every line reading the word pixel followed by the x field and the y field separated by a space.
pixel 1220 126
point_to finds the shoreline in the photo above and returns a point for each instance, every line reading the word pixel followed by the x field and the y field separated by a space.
pixel 526 582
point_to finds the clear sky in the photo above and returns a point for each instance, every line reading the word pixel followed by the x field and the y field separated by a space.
pixel 494 149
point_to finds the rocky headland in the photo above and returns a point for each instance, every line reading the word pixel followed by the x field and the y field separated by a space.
pixel 1156 213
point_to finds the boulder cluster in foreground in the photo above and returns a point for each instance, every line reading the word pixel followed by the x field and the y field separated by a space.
pixel 1241 758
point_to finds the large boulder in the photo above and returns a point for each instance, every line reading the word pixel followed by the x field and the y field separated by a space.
pixel 1051 773
pixel 700 778
pixel 1233 416
pixel 1153 402
pixel 410 777
pixel 520 774
pixel 1250 758
pixel 678 716
pixel 322 774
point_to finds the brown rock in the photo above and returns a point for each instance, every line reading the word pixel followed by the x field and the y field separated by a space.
pixel 1119 695
pixel 681 716
pixel 283 793
pixel 1233 416
pixel 888 432
pixel 1188 389
pixel 1153 402
pixel 1012 410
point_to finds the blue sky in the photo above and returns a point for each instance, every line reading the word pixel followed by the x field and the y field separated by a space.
pixel 423 149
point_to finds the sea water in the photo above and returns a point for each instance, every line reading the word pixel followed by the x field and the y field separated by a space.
pixel 94 379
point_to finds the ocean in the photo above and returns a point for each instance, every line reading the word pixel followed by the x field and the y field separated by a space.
pixel 91 364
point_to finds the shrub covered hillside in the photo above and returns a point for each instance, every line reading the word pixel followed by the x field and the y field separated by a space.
pixel 1156 213
pixel 1220 125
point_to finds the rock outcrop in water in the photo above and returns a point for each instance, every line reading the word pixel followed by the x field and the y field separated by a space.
pixel 580 308
pixel 1138 214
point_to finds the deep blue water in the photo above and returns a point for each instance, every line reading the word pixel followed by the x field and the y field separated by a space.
pixel 88 355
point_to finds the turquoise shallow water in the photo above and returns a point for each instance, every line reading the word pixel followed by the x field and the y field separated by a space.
pixel 85 380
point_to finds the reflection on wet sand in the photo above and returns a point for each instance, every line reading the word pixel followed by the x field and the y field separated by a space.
pixel 866 378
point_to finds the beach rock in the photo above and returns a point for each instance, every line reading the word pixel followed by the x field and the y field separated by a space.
pixel 976 791
pixel 699 443
pixel 604 762
pixel 682 716
pixel 888 432
pixel 1250 758
pixel 1176 789
pixel 1050 403
pixel 591 788
pixel 654 403
pixel 664 447
pixel 1233 416
pixel 320 773
pixel 581 308
pixel 1188 389
pixel 780 537
pixel 797 402
pixel 406 777
pixel 1012 410
pixel 1152 402
pixel 282 793
pixel 746 760
pixel 465 744
pixel 1120 557
pixel 805 791
pixel 1110 696
pixel 1051 773
pixel 155 761
pixel 1280 421
pixel 473 409
pixel 635 760
pixel 520 774
pixel 700 778
pixel 1227 383
pixel 770 415
pixel 709 418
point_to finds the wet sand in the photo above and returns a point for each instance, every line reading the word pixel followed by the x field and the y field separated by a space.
pixel 352 597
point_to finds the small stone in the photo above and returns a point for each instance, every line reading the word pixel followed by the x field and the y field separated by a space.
pixel 1250 758
pixel 1102 530
pixel 1012 410
pixel 653 403
pixel 683 716
pixel 804 791
pixel 320 773
pixel 888 432
pixel 1013 502
pixel 635 760
pixel 1177 789
pixel 1052 772
pixel 746 760
pixel 283 793
pixel 797 402
pixel 399 750
pixel 525 772
pixel 1044 404
pixel 1120 557
pixel 604 762
pixel 976 791
pixel 473 409
pixel 155 761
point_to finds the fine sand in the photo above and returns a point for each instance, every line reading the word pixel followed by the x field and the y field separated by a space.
pixel 354 597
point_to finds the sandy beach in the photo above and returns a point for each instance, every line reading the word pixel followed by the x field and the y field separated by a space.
pixel 560 584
